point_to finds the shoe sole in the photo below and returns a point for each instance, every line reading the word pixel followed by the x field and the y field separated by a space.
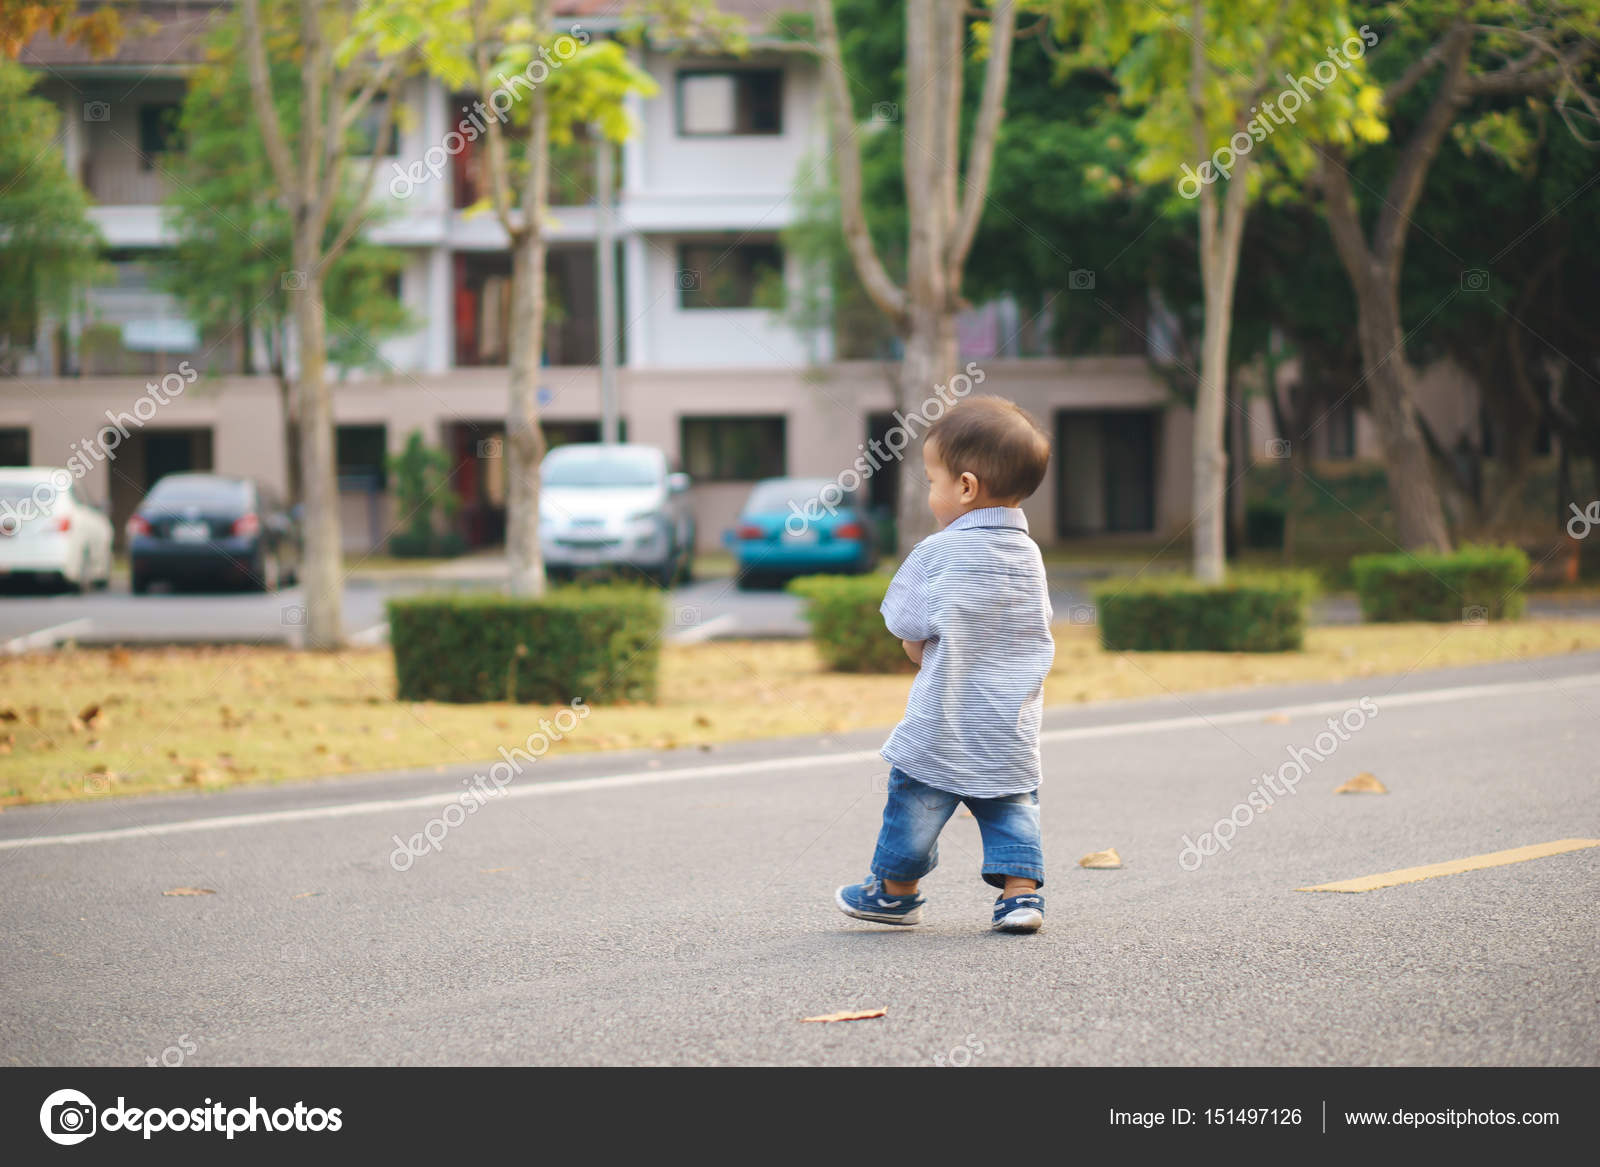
pixel 1021 920
pixel 914 916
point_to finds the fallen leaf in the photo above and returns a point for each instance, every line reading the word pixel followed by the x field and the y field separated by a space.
pixel 8 714
pixel 1102 860
pixel 189 891
pixel 93 717
pixel 702 721
pixel 301 895
pixel 857 1015
pixel 1362 783
pixel 491 870
pixel 1276 719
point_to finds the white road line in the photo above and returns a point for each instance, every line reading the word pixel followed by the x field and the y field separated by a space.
pixel 772 765
pixel 694 634
pixel 48 637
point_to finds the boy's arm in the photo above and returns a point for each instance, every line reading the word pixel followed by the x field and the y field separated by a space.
pixel 905 605
pixel 914 650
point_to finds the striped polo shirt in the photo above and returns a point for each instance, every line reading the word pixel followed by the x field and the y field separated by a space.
pixel 976 593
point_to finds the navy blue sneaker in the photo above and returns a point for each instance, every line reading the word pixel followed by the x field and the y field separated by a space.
pixel 1024 913
pixel 868 900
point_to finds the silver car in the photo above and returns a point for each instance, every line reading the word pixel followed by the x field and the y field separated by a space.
pixel 614 506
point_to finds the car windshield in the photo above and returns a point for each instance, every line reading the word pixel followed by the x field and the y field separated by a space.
pixel 601 468
pixel 15 492
pixel 198 492
pixel 776 497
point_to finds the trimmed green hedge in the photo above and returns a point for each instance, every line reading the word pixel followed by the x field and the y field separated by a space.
pixel 1249 612
pixel 599 643
pixel 845 623
pixel 1474 583
pixel 406 545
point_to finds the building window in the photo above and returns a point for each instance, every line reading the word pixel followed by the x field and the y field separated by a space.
pixel 363 452
pixel 158 132
pixel 745 275
pixel 364 133
pixel 733 449
pixel 13 447
pixel 727 102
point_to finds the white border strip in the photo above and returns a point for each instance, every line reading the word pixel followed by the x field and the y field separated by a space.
pixel 770 765
pixel 47 637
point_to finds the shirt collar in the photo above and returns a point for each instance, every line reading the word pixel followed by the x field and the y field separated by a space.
pixel 991 517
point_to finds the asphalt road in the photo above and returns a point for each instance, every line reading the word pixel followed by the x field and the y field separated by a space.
pixel 708 609
pixel 676 908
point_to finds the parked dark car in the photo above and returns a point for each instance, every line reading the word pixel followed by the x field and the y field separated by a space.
pixel 207 528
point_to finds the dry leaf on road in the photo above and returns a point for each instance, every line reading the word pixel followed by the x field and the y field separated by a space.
pixel 189 891
pixel 1276 719
pixel 1363 783
pixel 1103 860
pixel 858 1015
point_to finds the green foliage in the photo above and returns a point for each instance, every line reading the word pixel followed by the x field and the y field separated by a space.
pixel 422 495
pixel 234 241
pixel 1248 612
pixel 1472 584
pixel 47 243
pixel 602 644
pixel 847 627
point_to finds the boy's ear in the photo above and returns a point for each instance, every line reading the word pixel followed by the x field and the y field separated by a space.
pixel 969 483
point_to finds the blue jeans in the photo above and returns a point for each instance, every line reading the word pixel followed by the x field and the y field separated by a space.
pixel 908 844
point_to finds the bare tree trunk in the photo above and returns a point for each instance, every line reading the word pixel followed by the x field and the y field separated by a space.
pixel 1219 269
pixel 929 360
pixel 321 560
pixel 1413 491
pixel 525 445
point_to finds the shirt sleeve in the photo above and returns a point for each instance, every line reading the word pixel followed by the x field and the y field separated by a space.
pixel 905 606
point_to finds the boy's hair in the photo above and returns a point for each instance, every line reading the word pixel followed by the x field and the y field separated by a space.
pixel 995 441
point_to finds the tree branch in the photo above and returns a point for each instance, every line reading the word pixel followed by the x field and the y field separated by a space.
pixel 499 165
pixel 885 293
pixel 985 133
pixel 261 98
pixel 364 192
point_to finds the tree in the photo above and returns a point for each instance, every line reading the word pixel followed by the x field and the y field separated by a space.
pixel 99 30
pixel 48 245
pixel 538 86
pixel 233 244
pixel 309 162
pixel 1467 50
pixel 943 202
pixel 1201 73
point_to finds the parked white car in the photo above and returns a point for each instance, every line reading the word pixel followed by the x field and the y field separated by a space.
pixel 615 506
pixel 51 533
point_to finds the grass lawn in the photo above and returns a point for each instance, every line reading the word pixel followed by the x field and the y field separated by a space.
pixel 90 723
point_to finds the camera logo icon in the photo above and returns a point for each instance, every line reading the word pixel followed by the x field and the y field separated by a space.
pixel 1081 614
pixel 96 111
pixel 1476 616
pixel 294 616
pixel 885 111
pixel 294 281
pixel 1474 280
pixel 1278 448
pixel 491 447
pixel 686 616
pixel 67 1117
pixel 1080 280
pixel 688 280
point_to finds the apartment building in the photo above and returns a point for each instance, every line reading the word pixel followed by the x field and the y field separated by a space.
pixel 712 369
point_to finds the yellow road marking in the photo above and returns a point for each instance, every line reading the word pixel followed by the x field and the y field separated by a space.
pixel 1455 866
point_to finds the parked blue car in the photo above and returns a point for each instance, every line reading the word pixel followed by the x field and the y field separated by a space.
pixel 801 526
